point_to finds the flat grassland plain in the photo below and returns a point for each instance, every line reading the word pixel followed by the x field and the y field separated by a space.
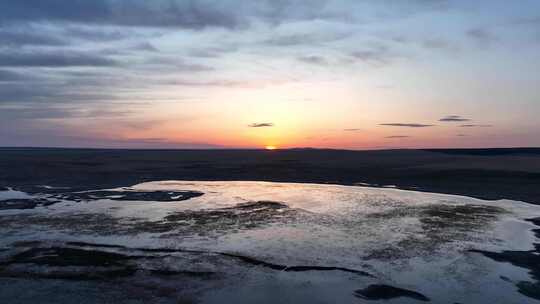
pixel 480 173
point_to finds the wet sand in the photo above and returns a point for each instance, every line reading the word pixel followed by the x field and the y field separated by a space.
pixel 482 173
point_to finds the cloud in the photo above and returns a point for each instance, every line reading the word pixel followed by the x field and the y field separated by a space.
pixel 59 138
pixel 352 130
pixel 27 36
pixel 52 35
pixel 318 60
pixel 462 135
pixel 184 14
pixel 261 125
pixel 453 118
pixel 176 64
pixel 379 56
pixel 144 46
pixel 398 136
pixel 207 83
pixel 288 40
pixel 309 38
pixel 441 45
pixel 7 75
pixel 59 112
pixel 528 20
pixel 481 36
pixel 407 125
pixel 248 84
pixel 97 33
pixel 476 126
pixel 212 51
pixel 54 59
pixel 49 92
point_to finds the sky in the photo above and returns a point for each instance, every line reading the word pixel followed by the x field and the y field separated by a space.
pixel 351 74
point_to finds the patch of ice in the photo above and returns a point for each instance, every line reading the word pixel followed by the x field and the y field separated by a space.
pixel 13 194
pixel 412 239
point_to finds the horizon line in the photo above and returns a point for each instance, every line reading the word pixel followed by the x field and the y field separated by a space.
pixel 255 149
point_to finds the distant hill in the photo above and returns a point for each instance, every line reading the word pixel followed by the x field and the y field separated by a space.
pixel 487 152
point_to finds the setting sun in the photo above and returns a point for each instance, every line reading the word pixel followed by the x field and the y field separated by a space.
pixel 270 147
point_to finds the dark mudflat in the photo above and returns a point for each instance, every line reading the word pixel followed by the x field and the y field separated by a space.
pixel 149 196
pixel 387 292
pixel 60 256
pixel 482 173
pixel 24 203
pixel 155 196
pixel 87 261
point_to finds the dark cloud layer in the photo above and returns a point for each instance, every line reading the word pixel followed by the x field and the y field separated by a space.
pixel 188 14
pixel 453 118
pixel 53 59
pixel 7 75
pixel 261 125
pixel 185 14
pixel 481 36
pixel 406 125
pixel 51 112
pixel 476 126
pixel 24 37
pixel 54 138
pixel 44 92
pixel 398 136
pixel 97 33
